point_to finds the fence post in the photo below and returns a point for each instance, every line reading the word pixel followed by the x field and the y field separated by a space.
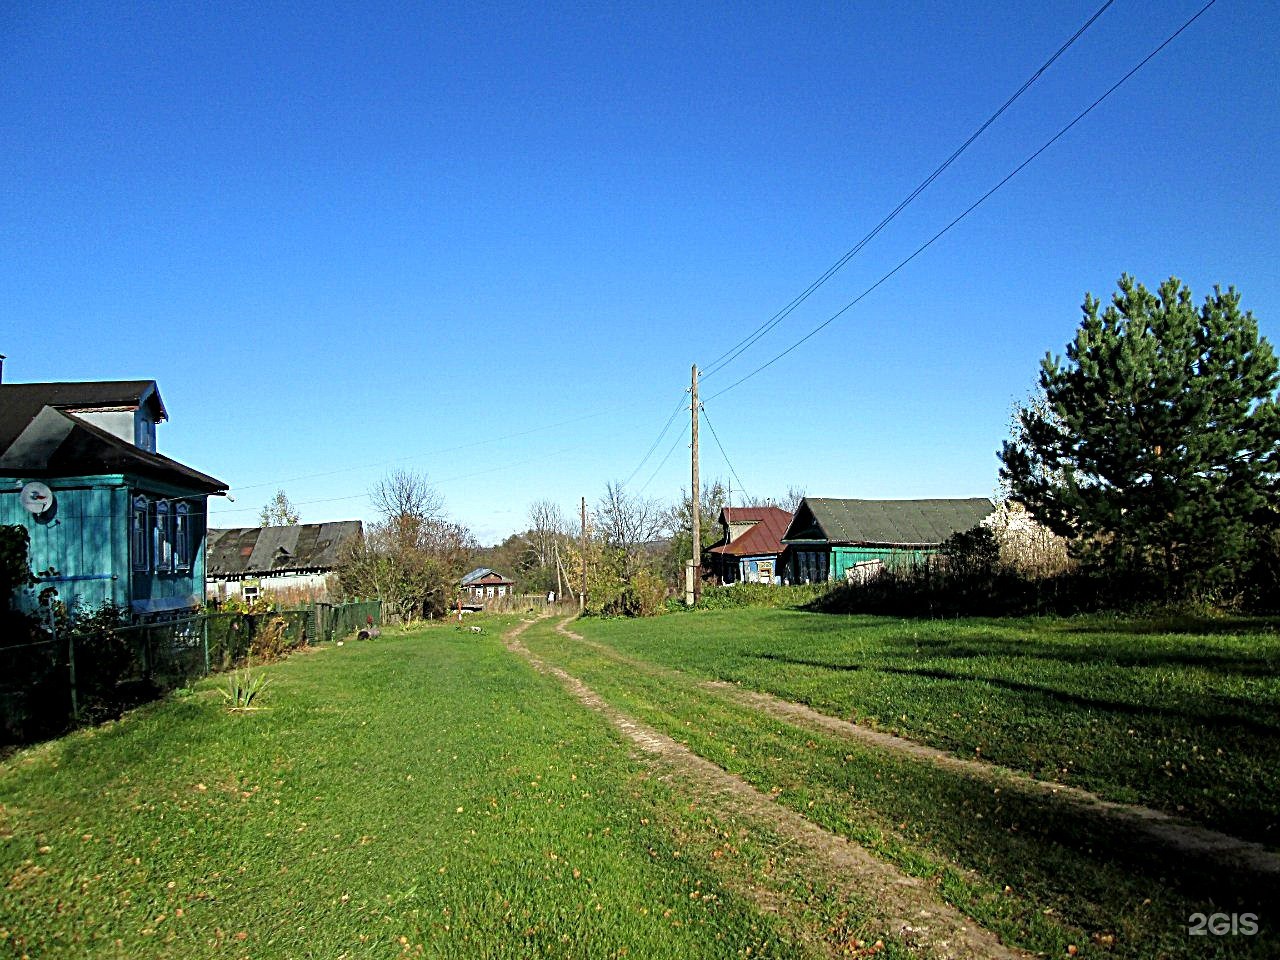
pixel 71 670
pixel 204 635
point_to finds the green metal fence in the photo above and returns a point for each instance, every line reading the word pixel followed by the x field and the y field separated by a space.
pixel 69 679
pixel 334 621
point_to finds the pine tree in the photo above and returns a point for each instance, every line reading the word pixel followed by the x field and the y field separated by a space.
pixel 1159 438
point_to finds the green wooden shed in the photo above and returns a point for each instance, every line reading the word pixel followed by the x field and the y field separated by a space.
pixel 830 537
pixel 109 519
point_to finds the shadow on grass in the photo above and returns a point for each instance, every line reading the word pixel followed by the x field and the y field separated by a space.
pixel 1243 721
pixel 1249 664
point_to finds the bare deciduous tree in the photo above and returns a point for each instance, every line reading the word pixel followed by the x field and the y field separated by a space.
pixel 413 556
pixel 791 502
pixel 626 521
pixel 547 528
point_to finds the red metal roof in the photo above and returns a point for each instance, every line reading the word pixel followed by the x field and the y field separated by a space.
pixel 762 539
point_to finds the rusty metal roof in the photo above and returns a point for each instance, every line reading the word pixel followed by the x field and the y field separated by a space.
pixel 765 536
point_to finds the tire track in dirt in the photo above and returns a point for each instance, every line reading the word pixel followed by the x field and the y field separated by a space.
pixel 905 904
pixel 1170 832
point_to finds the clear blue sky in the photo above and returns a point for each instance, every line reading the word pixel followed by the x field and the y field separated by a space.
pixel 385 231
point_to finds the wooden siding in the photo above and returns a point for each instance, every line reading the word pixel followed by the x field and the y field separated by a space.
pixel 87 542
pixel 844 557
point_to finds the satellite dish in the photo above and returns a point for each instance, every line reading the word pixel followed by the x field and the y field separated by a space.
pixel 37 498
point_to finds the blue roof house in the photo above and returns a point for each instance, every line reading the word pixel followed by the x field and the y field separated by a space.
pixel 109 518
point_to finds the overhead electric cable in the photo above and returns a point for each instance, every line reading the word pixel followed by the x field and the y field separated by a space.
pixel 974 206
pixel 732 472
pixel 454 479
pixel 670 451
pixel 418 456
pixel 657 440
pixel 738 348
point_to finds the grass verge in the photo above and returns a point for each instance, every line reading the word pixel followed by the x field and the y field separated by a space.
pixel 419 795
pixel 1181 716
pixel 1041 875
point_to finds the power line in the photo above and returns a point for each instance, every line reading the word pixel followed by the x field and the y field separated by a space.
pixel 465 476
pixel 977 203
pixel 657 440
pixel 670 451
pixel 742 345
pixel 428 453
pixel 732 472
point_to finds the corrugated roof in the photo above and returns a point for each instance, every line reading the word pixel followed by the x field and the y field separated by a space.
pixel 240 551
pixel 889 522
pixel 764 538
pixel 57 444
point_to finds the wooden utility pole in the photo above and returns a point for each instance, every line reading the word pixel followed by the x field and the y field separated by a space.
pixel 697 490
pixel 582 597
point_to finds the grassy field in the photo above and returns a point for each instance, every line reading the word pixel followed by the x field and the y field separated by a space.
pixel 1182 717
pixel 417 795
pixel 1100 707
pixel 430 794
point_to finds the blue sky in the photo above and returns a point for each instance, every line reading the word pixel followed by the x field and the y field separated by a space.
pixel 487 243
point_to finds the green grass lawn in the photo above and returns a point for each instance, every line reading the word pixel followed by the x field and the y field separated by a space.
pixel 1040 874
pixel 418 795
pixel 1182 718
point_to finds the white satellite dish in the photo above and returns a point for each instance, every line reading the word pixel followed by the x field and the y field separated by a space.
pixel 37 498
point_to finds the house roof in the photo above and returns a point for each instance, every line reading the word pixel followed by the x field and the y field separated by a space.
pixel 749 514
pixel 484 575
pixel 886 522
pixel 240 551
pixel 764 537
pixel 53 443
pixel 21 402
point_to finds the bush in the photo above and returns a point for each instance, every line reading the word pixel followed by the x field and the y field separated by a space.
pixel 269 640
pixel 758 595
pixel 106 663
pixel 644 596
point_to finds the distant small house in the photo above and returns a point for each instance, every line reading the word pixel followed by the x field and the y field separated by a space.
pixel 482 584
pixel 751 545
pixel 109 519
pixel 833 539
pixel 248 561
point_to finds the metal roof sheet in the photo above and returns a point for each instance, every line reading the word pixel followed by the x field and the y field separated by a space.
pixel 889 522
pixel 764 538
pixel 240 551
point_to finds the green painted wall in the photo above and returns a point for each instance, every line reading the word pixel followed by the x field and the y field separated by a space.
pixel 81 538
pixel 844 557
pixel 86 541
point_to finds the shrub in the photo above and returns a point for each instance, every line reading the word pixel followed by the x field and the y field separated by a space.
pixel 269 640
pixel 758 595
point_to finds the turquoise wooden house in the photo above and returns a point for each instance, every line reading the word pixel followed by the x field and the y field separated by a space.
pixel 109 518
pixel 834 539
